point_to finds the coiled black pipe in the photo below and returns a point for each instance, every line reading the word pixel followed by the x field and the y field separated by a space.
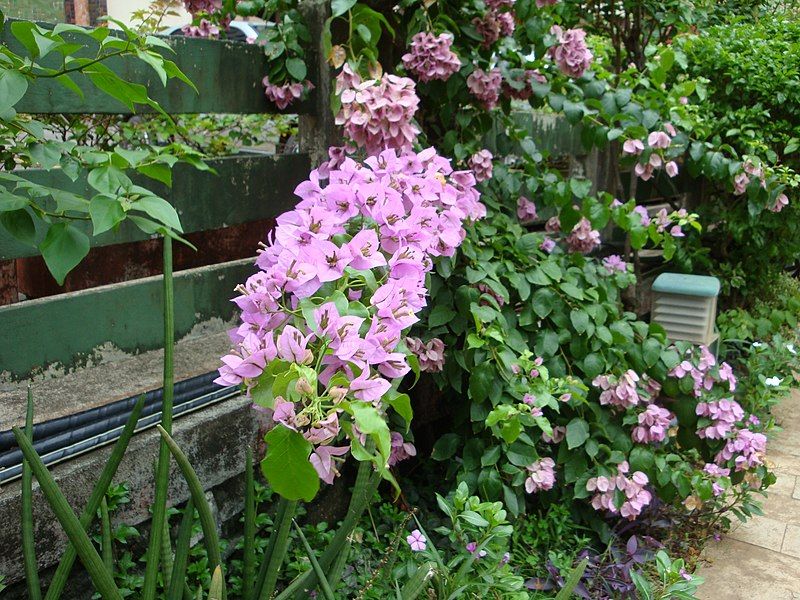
pixel 66 437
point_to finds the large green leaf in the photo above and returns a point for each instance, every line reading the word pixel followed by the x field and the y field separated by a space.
pixel 577 433
pixel 13 86
pixel 286 465
pixel 63 248
pixel 106 212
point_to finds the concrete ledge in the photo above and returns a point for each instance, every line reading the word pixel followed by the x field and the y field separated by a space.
pixel 214 439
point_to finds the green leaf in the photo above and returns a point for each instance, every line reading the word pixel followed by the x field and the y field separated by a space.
pixel 580 320
pixel 106 212
pixel 446 446
pixel 10 202
pixel 370 421
pixel 546 344
pixel 339 7
pixel 158 171
pixel 481 381
pixel 63 248
pixel 401 403
pixel 160 210
pixel 108 179
pixel 651 351
pixel 440 315
pixel 543 301
pixel 296 68
pixel 577 433
pixel 13 86
pixel 287 467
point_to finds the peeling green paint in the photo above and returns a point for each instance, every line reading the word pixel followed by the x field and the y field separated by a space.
pixel 65 330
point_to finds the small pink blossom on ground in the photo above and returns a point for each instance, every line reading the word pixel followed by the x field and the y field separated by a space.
pixel 430 57
pixel 481 165
pixel 547 245
pixel 570 53
pixel 417 541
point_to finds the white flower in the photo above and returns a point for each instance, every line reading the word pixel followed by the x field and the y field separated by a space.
pixel 773 381
pixel 791 348
pixel 757 344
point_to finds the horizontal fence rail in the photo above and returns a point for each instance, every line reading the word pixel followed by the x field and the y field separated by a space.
pixel 66 329
pixel 247 187
pixel 227 75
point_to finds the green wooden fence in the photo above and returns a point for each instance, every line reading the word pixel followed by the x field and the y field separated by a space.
pixel 248 187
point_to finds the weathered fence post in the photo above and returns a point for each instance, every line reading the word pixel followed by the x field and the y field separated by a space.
pixel 317 129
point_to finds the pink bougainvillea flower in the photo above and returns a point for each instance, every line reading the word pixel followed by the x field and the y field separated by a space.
pixel 671 168
pixel 485 86
pixel 633 147
pixel 430 56
pixel 583 238
pixel 526 210
pixel 322 460
pixel 658 139
pixel 481 165
pixel 570 52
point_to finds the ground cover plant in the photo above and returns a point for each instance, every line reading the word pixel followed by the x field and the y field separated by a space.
pixel 440 242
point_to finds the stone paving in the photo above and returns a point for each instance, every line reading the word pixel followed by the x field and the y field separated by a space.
pixel 760 560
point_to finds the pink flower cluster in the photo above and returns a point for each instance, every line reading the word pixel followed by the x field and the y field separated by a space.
pixel 724 414
pixel 430 355
pixel 393 215
pixel 541 475
pixel 626 390
pixel 559 432
pixel 494 24
pixel 615 263
pixel 701 367
pixel 283 95
pixel 526 210
pixel 485 86
pixel 401 449
pixel 658 141
pixel 205 29
pixel 653 425
pixel 430 56
pixel 481 165
pixel 207 6
pixel 570 52
pixel 633 488
pixel 377 114
pixel 742 179
pixel 583 238
pixel 746 448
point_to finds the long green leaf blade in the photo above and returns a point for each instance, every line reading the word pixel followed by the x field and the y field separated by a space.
pixel 198 495
pixel 176 584
pixel 98 493
pixel 102 580
pixel 275 559
pixel 162 472
pixel 249 550
pixel 105 537
pixel 323 581
pixel 28 542
pixel 572 581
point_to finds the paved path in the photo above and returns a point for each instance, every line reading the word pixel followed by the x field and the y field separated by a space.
pixel 760 560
